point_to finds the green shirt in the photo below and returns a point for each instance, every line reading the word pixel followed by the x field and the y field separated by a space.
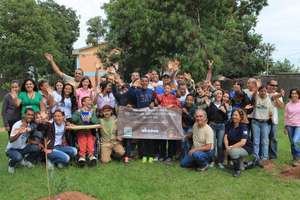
pixel 27 102
pixel 109 130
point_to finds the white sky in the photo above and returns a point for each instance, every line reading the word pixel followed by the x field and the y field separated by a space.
pixel 279 23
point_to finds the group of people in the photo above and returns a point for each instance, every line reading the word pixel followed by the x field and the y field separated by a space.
pixel 220 127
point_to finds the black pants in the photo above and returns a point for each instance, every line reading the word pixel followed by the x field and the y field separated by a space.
pixel 147 147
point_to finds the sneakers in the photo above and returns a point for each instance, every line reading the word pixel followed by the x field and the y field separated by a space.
pixel 168 161
pixel 144 159
pixel 26 163
pixel 81 161
pixel 50 165
pixel 11 170
pixel 236 173
pixel 150 160
pixel 221 166
pixel 60 166
pixel 93 160
pixel 296 163
pixel 202 169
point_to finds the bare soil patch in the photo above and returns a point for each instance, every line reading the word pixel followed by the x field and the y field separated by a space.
pixel 70 196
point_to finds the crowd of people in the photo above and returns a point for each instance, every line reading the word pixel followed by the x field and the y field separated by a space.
pixel 221 128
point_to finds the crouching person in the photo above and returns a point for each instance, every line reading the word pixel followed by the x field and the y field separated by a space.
pixel 201 153
pixel 18 148
pixel 59 153
pixel 236 141
pixel 110 141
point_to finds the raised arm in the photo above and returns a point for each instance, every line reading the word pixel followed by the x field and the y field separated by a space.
pixel 209 70
pixel 55 68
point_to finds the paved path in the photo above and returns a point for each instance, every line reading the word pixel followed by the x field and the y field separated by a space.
pixel 2 129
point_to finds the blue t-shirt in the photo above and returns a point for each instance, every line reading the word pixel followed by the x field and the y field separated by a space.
pixel 235 135
pixel 143 97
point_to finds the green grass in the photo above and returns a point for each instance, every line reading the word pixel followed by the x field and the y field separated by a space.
pixel 149 181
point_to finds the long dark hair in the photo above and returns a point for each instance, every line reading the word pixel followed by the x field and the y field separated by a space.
pixel 35 88
pixel 72 97
pixel 83 79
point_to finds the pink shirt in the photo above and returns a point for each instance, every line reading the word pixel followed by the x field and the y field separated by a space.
pixel 292 114
pixel 80 93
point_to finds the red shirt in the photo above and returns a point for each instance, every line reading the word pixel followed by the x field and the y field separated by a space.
pixel 166 100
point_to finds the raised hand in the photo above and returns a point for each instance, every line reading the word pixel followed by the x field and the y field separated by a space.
pixel 48 56
pixel 210 63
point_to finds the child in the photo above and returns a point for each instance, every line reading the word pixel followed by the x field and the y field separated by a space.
pixel 84 90
pixel 110 141
pixel 85 138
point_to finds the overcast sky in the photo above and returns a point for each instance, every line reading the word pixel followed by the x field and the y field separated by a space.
pixel 279 23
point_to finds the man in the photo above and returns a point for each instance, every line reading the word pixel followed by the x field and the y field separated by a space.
pixel 182 92
pixel 18 147
pixel 134 76
pixel 78 73
pixel 201 152
pixel 277 102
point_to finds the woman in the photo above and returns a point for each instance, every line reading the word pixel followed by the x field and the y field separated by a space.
pixel 59 152
pixel 29 97
pixel 217 117
pixel 105 97
pixel 10 112
pixel 262 113
pixel 68 103
pixel 84 90
pixel 292 124
pixel 236 141
pixel 57 94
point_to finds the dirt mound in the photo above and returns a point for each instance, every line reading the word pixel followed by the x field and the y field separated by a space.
pixel 268 165
pixel 70 196
pixel 291 172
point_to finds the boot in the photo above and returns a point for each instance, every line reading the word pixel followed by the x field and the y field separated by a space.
pixel 236 168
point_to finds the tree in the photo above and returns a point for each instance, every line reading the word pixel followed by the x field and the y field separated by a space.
pixel 27 31
pixel 149 32
pixel 96 29
pixel 283 66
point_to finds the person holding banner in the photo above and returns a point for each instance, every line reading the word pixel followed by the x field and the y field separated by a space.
pixel 167 100
pixel 202 150
pixel 144 97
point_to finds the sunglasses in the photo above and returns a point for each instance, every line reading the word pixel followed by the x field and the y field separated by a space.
pixel 274 85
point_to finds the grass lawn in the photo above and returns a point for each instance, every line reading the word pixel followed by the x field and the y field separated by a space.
pixel 149 181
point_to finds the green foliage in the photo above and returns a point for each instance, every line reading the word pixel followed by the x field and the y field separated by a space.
pixel 150 31
pixel 28 29
pixel 96 29
pixel 283 66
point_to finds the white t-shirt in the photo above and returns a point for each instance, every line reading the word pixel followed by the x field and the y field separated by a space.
pixel 57 98
pixel 66 107
pixel 275 109
pixel 21 142
pixel 59 133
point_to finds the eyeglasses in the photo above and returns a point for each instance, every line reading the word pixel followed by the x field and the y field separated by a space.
pixel 273 85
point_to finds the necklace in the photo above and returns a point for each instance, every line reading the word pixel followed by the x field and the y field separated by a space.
pixel 30 95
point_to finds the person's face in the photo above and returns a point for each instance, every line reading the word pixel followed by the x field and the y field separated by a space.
pixel 226 97
pixel 273 85
pixel 87 102
pixel 200 91
pixel 108 88
pixel 262 92
pixel 29 116
pixel 58 118
pixel 144 83
pixel 167 89
pixel 78 74
pixel 29 86
pixel 236 118
pixel 217 85
pixel 251 85
pixel 294 96
pixel 200 118
pixel 85 83
pixel 38 118
pixel 110 79
pixel 68 90
pixel 182 89
pixel 219 95
pixel 59 86
pixel 236 87
pixel 135 76
pixel 180 77
pixel 45 87
pixel 189 101
pixel 14 87
pixel 107 113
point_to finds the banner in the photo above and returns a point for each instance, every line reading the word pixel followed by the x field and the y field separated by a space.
pixel 146 123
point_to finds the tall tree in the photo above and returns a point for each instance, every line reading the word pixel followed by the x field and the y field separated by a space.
pixel 150 32
pixel 96 30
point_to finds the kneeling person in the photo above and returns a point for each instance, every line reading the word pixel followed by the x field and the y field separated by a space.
pixel 201 152
pixel 110 141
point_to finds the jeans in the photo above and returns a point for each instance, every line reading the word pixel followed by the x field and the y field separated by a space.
pixel 260 131
pixel 273 141
pixel 198 159
pixel 294 136
pixel 62 154
pixel 219 131
pixel 186 143
pixel 237 153
pixel 17 155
